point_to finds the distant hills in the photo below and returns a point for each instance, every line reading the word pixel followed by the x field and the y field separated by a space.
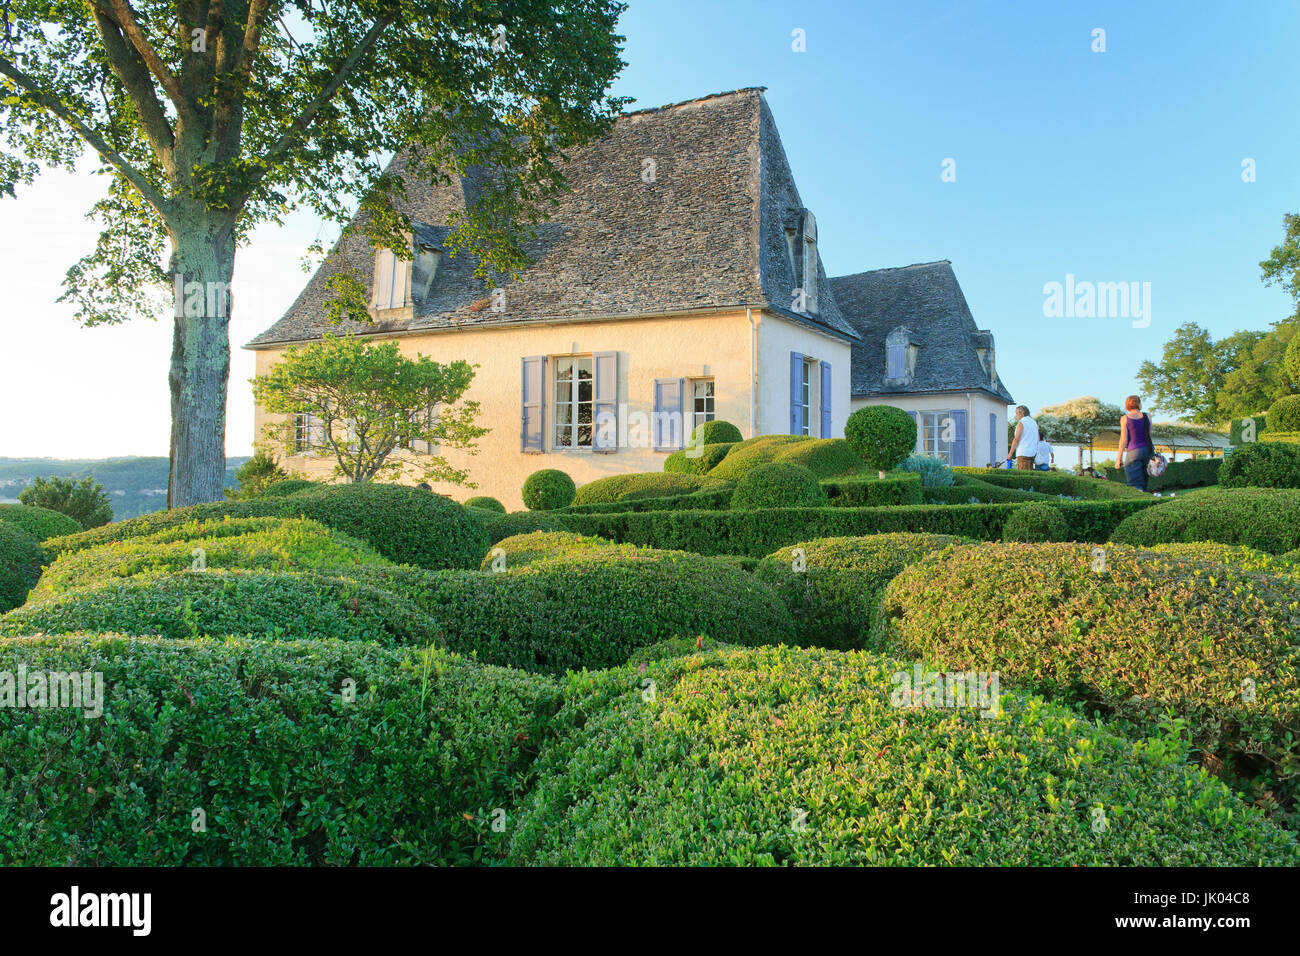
pixel 135 485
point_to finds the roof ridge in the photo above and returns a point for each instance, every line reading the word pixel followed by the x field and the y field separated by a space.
pixel 698 99
pixel 914 265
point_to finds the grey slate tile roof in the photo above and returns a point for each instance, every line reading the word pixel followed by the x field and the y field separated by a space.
pixel 926 300
pixel 709 232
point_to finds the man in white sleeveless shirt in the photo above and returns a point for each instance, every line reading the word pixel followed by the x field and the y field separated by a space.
pixel 1024 446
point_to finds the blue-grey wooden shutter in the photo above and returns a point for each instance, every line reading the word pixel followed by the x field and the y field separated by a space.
pixel 667 425
pixel 604 402
pixel 533 417
pixel 796 393
pixel 993 438
pixel 957 452
pixel 897 362
pixel 826 401
pixel 920 436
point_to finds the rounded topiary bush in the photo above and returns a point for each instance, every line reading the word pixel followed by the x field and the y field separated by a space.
pixel 405 771
pixel 219 603
pixel 548 489
pixel 824 457
pixel 1037 521
pixel 1284 414
pixel 881 435
pixel 778 485
pixel 649 484
pixel 591 607
pixel 714 432
pixel 20 565
pixel 249 544
pixel 1135 632
pixel 521 550
pixel 40 523
pixel 288 486
pixel 1262 464
pixel 788 756
pixel 1267 519
pixel 708 458
pixel 832 586
pixel 486 503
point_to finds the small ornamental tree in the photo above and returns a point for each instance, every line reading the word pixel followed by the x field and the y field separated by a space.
pixel 548 489
pixel 366 404
pixel 82 500
pixel 881 435
pixel 255 475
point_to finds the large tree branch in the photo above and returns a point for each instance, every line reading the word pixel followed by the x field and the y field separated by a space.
pixel 131 70
pixel 34 94
pixel 235 62
pixel 125 17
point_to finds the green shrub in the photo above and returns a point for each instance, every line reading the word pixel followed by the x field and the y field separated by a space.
pixel 1289 438
pixel 1284 414
pixel 778 485
pixel 966 490
pixel 1035 522
pixel 824 457
pixel 521 550
pixel 20 565
pixel 591 608
pixel 81 499
pixel 406 525
pixel 868 491
pixel 547 490
pixel 262 737
pixel 256 475
pixel 714 433
pixel 218 603
pixel 1238 432
pixel 1053 483
pixel 289 486
pixel 1262 464
pixel 760 532
pixel 1141 635
pixel 717 494
pixel 649 484
pixel 486 503
pixel 934 473
pixel 1267 519
pixel 248 544
pixel 832 586
pixel 881 435
pixel 710 456
pixel 1246 559
pixel 1178 475
pixel 784 756
pixel 675 647
pixel 40 523
pixel 499 527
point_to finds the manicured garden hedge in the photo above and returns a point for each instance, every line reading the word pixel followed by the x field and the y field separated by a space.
pixel 1143 635
pixel 778 484
pixel 784 756
pixel 832 586
pixel 220 603
pixel 486 502
pixel 1267 519
pixel 289 486
pixel 965 488
pixel 717 495
pixel 1247 559
pixel 1053 483
pixel 250 544
pixel 868 491
pixel 404 524
pixel 1263 464
pixel 1193 473
pixel 499 526
pixel 824 457
pixel 260 737
pixel 590 609
pixel 548 489
pixel 20 565
pixel 1038 521
pixel 40 523
pixel 650 484
pixel 679 462
pixel 521 550
pixel 758 533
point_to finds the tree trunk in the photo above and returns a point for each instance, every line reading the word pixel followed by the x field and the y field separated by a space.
pixel 203 260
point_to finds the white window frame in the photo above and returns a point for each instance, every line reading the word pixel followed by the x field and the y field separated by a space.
pixel 806 406
pixel 709 413
pixel 929 435
pixel 304 428
pixel 574 402
pixel 391 274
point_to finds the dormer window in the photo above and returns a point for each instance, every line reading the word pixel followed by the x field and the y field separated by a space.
pixel 897 360
pixel 901 348
pixel 810 260
pixel 392 279
pixel 984 349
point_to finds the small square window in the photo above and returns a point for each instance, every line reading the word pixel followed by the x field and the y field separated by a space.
pixel 701 401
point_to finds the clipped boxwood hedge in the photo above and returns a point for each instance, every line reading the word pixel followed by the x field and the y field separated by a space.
pixel 868 491
pixel 1193 473
pixel 40 523
pixel 715 432
pixel 1247 559
pixel 1264 464
pixel 709 457
pixel 219 603
pixel 521 550
pixel 786 756
pixel 404 524
pixel 590 609
pixel 716 495
pixel 1267 519
pixel 778 484
pixel 487 503
pixel 1146 634
pixel 966 490
pixel 251 544
pixel 1053 483
pixel 548 489
pixel 289 486
pixel 260 737
pixel 499 526
pixel 832 586
pixel 20 565
pixel 824 457
pixel 1036 522
pixel 650 484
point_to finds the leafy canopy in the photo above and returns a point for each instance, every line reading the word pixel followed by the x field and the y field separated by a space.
pixel 82 500
pixel 375 411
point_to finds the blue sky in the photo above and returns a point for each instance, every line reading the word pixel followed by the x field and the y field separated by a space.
pixel 1122 166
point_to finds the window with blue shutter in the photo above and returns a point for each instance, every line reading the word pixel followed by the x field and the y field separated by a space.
pixel 919 437
pixel 897 361
pixel 798 401
pixel 993 438
pixel 957 447
pixel 826 401
pixel 666 423
pixel 533 415
pixel 605 402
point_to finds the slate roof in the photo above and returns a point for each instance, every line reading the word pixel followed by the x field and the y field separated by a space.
pixel 925 299
pixel 708 233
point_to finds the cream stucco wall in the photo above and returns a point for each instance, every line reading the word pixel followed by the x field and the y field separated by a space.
pixel 712 345
pixel 979 405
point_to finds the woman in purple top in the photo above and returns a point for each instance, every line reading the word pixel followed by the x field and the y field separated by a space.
pixel 1135 445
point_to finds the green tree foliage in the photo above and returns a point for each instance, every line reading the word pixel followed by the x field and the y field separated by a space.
pixel 1078 421
pixel 82 500
pixel 881 435
pixel 255 474
pixel 369 404
pixel 210 118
